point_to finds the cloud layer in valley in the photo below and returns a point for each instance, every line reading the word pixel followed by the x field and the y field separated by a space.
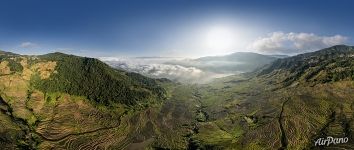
pixel 157 67
pixel 295 43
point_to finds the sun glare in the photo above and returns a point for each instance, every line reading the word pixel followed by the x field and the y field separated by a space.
pixel 220 38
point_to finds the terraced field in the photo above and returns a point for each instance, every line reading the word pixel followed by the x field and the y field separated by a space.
pixel 63 121
pixel 280 108
pixel 289 118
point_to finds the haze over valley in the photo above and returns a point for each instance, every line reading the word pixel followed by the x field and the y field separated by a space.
pixel 200 70
pixel 176 75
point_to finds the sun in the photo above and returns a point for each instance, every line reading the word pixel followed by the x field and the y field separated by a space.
pixel 220 38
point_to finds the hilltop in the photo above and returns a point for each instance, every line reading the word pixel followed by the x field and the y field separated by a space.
pixel 38 92
pixel 69 102
pixel 287 104
pixel 326 65
pixel 97 81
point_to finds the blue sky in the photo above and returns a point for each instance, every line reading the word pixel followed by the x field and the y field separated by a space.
pixel 183 28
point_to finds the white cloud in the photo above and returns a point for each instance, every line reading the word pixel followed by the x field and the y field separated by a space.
pixel 156 67
pixel 294 43
pixel 28 45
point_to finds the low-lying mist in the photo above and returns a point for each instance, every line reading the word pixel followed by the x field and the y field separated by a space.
pixel 201 70
pixel 175 69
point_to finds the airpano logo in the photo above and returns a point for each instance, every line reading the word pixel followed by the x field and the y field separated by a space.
pixel 330 140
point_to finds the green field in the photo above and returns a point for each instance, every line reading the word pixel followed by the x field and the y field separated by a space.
pixel 60 101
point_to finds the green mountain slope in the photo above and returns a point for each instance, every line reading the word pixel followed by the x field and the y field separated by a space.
pixel 331 64
pixel 4 54
pixel 60 101
pixel 286 105
pixel 50 98
pixel 97 81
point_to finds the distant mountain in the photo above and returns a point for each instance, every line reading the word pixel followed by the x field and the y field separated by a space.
pixel 6 54
pixel 201 70
pixel 233 63
pixel 279 56
pixel 289 104
pixel 326 65
pixel 238 56
pixel 60 101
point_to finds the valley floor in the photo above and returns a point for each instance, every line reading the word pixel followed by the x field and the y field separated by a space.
pixel 230 114
pixel 289 105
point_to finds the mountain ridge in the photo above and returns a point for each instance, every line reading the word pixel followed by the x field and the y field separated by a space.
pixel 325 65
pixel 275 107
pixel 238 55
pixel 79 75
pixel 233 63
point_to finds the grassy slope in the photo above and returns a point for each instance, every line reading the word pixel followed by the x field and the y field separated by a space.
pixel 284 106
pixel 33 117
pixel 252 115
pixel 237 112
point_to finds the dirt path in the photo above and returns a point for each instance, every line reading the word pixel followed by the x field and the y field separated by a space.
pixel 283 138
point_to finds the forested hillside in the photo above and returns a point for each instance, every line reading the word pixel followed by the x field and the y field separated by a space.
pixel 60 101
pixel 97 81
pixel 328 65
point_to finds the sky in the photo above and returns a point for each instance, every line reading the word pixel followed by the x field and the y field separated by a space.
pixel 173 28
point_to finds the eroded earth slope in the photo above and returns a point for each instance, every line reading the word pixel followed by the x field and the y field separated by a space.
pixel 60 101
